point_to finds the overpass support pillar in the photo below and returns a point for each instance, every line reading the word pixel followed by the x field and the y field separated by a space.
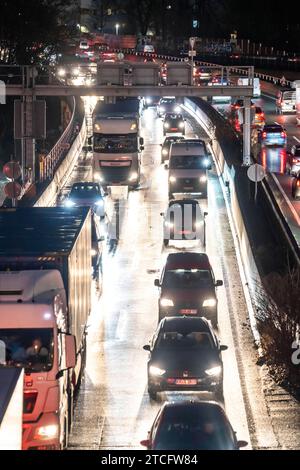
pixel 247 132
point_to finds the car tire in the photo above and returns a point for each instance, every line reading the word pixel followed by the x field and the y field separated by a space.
pixel 152 394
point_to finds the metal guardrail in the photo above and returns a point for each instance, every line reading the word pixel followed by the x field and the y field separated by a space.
pixel 48 164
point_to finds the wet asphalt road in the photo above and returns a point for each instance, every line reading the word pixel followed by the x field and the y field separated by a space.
pixel 113 410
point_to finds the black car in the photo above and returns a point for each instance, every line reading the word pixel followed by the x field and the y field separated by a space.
pixel 185 355
pixel 166 146
pixel 167 104
pixel 188 287
pixel 183 220
pixel 174 123
pixel 296 188
pixel 192 426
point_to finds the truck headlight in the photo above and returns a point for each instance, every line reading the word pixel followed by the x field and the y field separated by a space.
pixel 133 176
pixel 61 72
pixel 99 203
pixel 181 125
pixel 214 371
pixel 203 179
pixel 165 152
pixel 166 302
pixel 47 432
pixel 172 179
pixel 156 371
pixel 210 303
pixel 166 125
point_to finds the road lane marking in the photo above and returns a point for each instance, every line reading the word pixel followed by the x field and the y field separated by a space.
pixel 296 139
pixel 293 210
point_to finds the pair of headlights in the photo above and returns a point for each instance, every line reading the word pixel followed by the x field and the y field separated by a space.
pixel 207 303
pixel 158 372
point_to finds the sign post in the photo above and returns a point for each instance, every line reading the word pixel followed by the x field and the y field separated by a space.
pixel 257 174
pixel 192 54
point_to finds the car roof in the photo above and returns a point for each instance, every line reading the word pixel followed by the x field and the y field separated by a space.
pixel 85 183
pixel 191 323
pixel 202 404
pixel 187 261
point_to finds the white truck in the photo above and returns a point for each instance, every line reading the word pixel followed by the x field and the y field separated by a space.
pixel 45 301
pixel 117 144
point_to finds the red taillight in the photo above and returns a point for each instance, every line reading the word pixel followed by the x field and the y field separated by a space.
pixel 29 401
pixel 298 184
pixel 264 135
pixel 262 115
pixel 283 134
pixel 295 160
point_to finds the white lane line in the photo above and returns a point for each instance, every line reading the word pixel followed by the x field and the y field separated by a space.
pixel 293 210
pixel 296 139
pixel 278 124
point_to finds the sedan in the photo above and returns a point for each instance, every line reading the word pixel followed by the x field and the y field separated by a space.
pixel 88 195
pixel 185 355
pixel 174 123
pixel 296 188
pixel 166 146
pixel 192 426
pixel 188 287
pixel 274 134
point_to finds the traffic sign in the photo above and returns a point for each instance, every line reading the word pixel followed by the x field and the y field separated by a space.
pixel 12 170
pixel 256 173
pixel 192 53
pixel 121 56
pixel 13 190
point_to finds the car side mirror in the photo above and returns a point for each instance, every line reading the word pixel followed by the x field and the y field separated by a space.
pixel 147 348
pixel 145 443
pixel 166 166
pixel 90 141
pixel 242 444
pixel 101 239
pixel 219 283
pixel 157 283
pixel 142 148
pixel 223 348
pixel 90 148
pixel 70 345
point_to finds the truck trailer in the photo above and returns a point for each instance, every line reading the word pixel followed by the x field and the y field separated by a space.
pixel 45 301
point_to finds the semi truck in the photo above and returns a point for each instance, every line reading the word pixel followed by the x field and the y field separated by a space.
pixel 45 302
pixel 117 144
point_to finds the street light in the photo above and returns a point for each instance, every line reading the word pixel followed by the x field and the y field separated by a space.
pixel 117 29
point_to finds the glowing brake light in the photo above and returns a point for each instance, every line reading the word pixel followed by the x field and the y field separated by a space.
pixel 298 184
pixel 283 134
pixel 264 135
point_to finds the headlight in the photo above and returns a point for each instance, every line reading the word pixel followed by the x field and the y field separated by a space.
pixel 166 125
pixel 203 179
pixel 209 303
pixel 181 125
pixel 177 109
pixel 97 127
pixel 172 179
pixel 148 100
pixel 169 224
pixel 76 72
pixel 99 203
pixel 206 162
pixel 47 432
pixel 94 252
pixel 133 126
pixel 133 176
pixel 69 203
pixel 162 109
pixel 61 73
pixel 156 371
pixel 165 152
pixel 166 303
pixel 198 224
pixel 214 371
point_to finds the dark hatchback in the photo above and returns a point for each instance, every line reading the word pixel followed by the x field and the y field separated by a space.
pixel 185 355
pixel 188 287
pixel 192 426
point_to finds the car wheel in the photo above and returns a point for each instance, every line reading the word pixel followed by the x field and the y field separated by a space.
pixel 152 394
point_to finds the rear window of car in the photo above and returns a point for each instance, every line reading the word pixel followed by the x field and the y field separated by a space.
pixel 273 129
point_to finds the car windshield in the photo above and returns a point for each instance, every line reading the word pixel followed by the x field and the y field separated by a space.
pixel 184 340
pixel 188 162
pixel 115 143
pixel 187 279
pixel 28 348
pixel 192 429
pixel 79 192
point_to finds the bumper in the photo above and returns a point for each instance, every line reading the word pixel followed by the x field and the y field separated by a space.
pixel 31 442
pixel 194 187
pixel 204 384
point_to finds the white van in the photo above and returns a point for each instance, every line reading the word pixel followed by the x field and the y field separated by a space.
pixel 188 166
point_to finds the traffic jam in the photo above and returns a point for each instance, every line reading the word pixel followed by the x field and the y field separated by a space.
pixel 119 178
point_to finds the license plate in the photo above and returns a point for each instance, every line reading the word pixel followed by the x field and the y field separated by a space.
pixel 174 129
pixel 188 312
pixel 186 382
pixel 185 232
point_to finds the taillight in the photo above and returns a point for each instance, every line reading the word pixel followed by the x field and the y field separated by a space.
pixel 283 134
pixel 29 401
pixel 264 135
pixel 295 160
pixel 298 183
